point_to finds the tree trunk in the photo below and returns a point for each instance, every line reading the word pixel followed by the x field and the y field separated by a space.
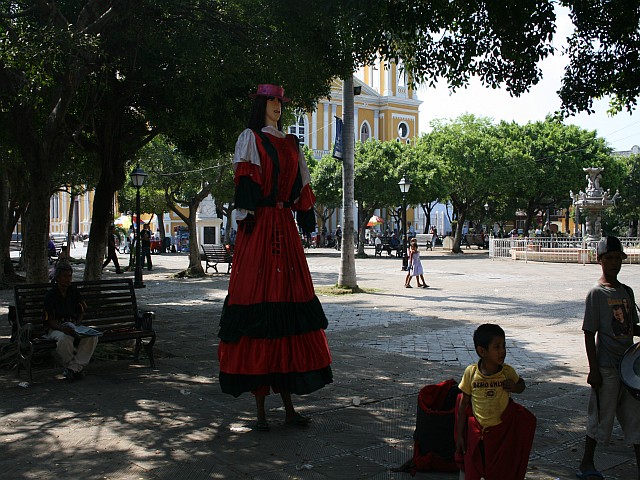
pixel 427 209
pixel 457 239
pixel 364 219
pixel 36 231
pixel 347 276
pixel 72 204
pixel 160 217
pixel 42 152
pixel 101 218
pixel 195 264
pixel 7 229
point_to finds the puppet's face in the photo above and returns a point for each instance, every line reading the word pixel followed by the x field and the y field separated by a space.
pixel 273 111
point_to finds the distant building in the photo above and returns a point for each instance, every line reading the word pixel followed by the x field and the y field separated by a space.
pixel 635 150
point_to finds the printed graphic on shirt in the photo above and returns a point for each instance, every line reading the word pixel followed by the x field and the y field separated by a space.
pixel 488 389
pixel 620 316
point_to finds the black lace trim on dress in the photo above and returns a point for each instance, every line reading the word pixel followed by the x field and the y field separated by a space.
pixel 293 382
pixel 271 319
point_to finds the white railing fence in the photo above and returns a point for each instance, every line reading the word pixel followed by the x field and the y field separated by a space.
pixel 556 249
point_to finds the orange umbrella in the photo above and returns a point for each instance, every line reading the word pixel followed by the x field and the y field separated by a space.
pixel 374 220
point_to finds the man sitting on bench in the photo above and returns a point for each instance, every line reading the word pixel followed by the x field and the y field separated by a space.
pixel 381 246
pixel 63 310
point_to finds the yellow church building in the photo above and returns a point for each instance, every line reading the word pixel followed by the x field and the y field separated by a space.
pixel 385 109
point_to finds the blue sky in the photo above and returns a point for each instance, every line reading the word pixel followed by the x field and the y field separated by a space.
pixel 621 131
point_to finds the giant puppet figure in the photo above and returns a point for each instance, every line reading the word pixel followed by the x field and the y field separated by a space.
pixel 272 326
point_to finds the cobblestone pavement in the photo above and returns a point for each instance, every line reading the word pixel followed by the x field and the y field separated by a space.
pixel 126 421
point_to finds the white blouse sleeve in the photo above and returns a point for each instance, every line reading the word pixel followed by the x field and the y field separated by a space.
pixel 246 149
pixel 304 169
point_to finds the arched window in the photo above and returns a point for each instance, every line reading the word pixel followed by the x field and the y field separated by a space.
pixel 403 131
pixel 365 132
pixel 299 129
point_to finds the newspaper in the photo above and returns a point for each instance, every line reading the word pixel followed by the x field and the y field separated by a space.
pixel 83 330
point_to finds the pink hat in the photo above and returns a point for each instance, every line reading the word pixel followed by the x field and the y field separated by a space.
pixel 268 90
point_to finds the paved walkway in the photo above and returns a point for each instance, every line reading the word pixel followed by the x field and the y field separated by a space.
pixel 127 421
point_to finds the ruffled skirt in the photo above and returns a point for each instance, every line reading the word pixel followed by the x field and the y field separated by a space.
pixel 272 325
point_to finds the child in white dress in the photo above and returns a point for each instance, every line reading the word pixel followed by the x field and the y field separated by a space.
pixel 415 266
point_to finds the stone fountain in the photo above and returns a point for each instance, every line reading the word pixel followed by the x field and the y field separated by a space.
pixel 592 202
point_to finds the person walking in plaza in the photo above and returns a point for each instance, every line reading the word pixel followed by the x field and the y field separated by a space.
pixel 493 434
pixel 415 266
pixel 610 322
pixel 145 243
pixel 64 308
pixel 338 237
pixel 272 324
pixel 112 255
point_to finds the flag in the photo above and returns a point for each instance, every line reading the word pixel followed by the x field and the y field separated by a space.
pixel 337 144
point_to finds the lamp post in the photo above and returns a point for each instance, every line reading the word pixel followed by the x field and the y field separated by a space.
pixel 138 177
pixel 486 210
pixel 404 185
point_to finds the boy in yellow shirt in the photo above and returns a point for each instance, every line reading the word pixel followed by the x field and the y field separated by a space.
pixel 494 435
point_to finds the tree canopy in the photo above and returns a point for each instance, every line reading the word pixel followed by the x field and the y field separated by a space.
pixel 109 75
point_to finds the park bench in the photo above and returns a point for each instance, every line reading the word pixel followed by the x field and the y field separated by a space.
pixel 425 240
pixel 386 247
pixel 481 241
pixel 111 308
pixel 215 254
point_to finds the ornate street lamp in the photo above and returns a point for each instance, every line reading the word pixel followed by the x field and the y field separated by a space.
pixel 138 177
pixel 404 185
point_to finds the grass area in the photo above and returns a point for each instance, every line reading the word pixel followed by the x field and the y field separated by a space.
pixel 335 290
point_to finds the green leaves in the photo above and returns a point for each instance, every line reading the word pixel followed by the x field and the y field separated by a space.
pixel 603 54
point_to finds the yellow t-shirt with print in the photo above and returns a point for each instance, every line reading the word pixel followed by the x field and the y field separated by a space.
pixel 488 397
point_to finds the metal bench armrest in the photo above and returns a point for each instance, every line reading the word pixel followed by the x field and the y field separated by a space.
pixel 144 320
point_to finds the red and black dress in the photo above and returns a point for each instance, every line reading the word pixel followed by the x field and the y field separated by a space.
pixel 272 325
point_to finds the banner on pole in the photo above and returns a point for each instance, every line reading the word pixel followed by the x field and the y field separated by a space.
pixel 337 144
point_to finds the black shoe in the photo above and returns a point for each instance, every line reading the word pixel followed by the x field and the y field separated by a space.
pixel 69 375
pixel 119 271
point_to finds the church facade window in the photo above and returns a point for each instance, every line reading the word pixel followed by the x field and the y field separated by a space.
pixel 403 131
pixel 299 129
pixel 365 132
